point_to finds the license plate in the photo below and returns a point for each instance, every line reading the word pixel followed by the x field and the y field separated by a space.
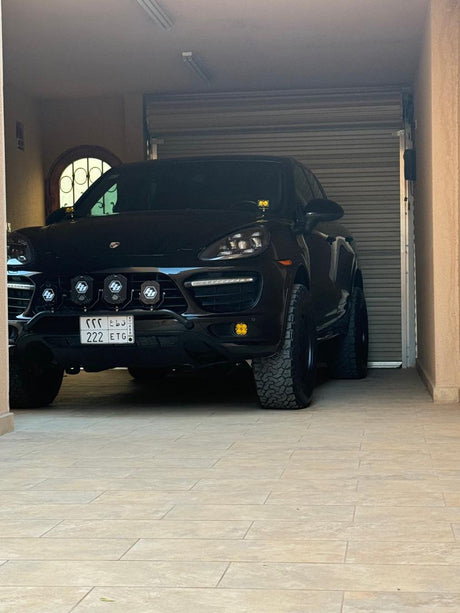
pixel 107 330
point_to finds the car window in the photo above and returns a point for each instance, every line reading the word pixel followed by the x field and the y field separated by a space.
pixel 302 187
pixel 222 185
pixel 318 191
pixel 106 205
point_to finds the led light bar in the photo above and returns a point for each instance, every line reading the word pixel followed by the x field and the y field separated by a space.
pixel 229 281
pixel 156 13
pixel 19 286
pixel 196 67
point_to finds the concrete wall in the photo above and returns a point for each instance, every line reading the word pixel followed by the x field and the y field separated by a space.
pixel 6 418
pixel 437 202
pixel 25 194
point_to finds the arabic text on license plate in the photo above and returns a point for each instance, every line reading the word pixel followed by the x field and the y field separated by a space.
pixel 107 330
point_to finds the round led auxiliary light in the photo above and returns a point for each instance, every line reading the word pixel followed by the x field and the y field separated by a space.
pixel 48 294
pixel 115 289
pixel 150 292
pixel 81 290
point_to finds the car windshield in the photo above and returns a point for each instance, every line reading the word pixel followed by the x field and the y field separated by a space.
pixel 165 186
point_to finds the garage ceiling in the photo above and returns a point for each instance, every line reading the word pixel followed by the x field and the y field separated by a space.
pixel 80 48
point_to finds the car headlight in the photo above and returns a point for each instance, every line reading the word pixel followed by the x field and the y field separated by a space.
pixel 19 250
pixel 243 244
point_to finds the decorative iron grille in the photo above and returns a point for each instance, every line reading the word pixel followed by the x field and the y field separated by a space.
pixel 77 177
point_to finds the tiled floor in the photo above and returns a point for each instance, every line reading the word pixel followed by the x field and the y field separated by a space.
pixel 188 498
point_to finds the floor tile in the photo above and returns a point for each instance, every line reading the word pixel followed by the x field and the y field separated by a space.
pixel 373 552
pixel 261 512
pixel 245 495
pixel 84 511
pixel 138 528
pixel 48 496
pixel 145 464
pixel 162 483
pixel 287 485
pixel 237 550
pixel 390 530
pixel 64 549
pixel 40 472
pixel 15 483
pixel 119 573
pixel 40 599
pixel 25 527
pixel 426 514
pixel 353 577
pixel 121 600
pixel 371 602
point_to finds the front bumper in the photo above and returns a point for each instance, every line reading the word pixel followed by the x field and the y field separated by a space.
pixel 164 338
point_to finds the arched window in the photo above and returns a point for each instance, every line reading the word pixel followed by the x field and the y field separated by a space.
pixel 77 177
pixel 73 172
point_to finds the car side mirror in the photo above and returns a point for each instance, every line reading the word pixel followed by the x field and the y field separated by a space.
pixel 62 214
pixel 321 209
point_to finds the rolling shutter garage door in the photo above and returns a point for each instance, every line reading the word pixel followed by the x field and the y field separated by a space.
pixel 347 137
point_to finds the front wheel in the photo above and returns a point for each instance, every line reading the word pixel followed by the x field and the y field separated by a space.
pixel 286 379
pixel 33 383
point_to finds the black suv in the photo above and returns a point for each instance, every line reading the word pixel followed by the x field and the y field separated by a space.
pixel 188 263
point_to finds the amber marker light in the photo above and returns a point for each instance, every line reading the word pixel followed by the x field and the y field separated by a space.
pixel 241 329
pixel 263 204
pixel 285 262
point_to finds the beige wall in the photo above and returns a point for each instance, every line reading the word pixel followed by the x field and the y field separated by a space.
pixel 52 127
pixel 6 418
pixel 423 212
pixel 437 202
pixel 24 169
pixel 115 123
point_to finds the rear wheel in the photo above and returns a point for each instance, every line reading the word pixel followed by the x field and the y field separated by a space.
pixel 33 383
pixel 350 356
pixel 148 374
pixel 286 379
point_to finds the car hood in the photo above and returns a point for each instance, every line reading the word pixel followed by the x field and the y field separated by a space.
pixel 134 239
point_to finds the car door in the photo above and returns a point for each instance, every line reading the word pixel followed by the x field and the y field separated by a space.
pixel 318 242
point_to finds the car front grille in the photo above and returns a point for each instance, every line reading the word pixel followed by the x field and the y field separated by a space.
pixel 20 292
pixel 225 292
pixel 170 296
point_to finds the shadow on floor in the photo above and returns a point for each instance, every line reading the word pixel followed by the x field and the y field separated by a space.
pixel 224 389
pixel 209 387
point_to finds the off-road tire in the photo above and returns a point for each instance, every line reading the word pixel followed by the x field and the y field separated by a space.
pixel 33 384
pixel 351 351
pixel 286 379
pixel 145 375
